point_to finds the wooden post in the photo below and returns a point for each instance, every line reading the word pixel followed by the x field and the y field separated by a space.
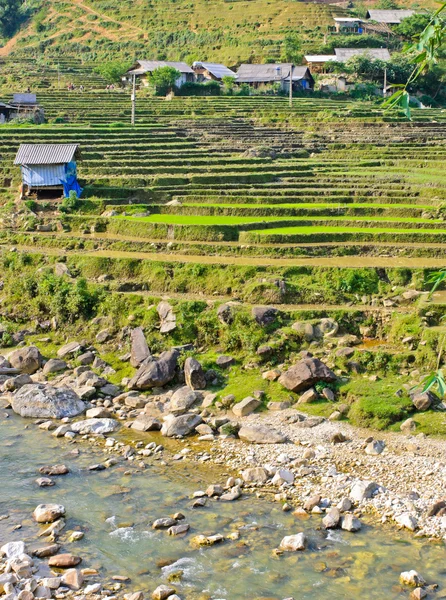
pixel 385 84
pixel 291 85
pixel 133 99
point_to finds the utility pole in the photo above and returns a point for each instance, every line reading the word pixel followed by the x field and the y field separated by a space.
pixel 385 84
pixel 133 99
pixel 291 85
pixel 58 76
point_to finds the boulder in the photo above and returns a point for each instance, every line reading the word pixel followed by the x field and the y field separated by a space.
pixel 293 543
pixel 48 513
pixel 69 349
pixel 27 360
pixel 98 412
pixel 246 407
pixel 264 315
pixel 13 549
pixel 308 396
pixel 363 490
pixel 162 592
pixel 45 401
pixel 194 374
pixel 167 317
pixel 54 365
pixel 224 314
pixel 183 399
pixel 156 373
pixel 408 426
pixel 179 426
pixel 146 423
pixel 305 374
pixel 407 521
pixel 260 435
pixel 412 578
pixel 96 426
pixel 61 269
pixel 140 350
pixel 224 361
pixel 332 518
pixel 375 447
pixel 350 523
pixel 64 561
pixel 424 400
pixel 328 327
pixel 254 475
pixel 282 476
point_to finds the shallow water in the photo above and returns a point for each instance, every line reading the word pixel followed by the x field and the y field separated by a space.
pixel 115 511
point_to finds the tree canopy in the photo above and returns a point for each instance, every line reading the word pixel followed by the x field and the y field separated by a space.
pixel 163 79
pixel 12 14
pixel 112 71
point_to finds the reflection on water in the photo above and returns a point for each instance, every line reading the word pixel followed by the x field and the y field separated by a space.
pixel 115 509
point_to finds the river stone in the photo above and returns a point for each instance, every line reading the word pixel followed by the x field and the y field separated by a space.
pixel 412 578
pixel 408 426
pixel 264 315
pixel 146 423
pixel 408 521
pixel 312 502
pixel 293 543
pixel 13 549
pixel 48 513
pixel 72 578
pixel 54 470
pixel 162 592
pixel 98 412
pixel 254 475
pixel 87 358
pixel 194 374
pixel 245 407
pixel 167 317
pixel 178 529
pixel 64 561
pixel 97 426
pixel 305 374
pixel 350 523
pixel 282 476
pixel 362 490
pixel 27 360
pixel 375 447
pixel 69 349
pixel 183 399
pixel 140 350
pixel 163 523
pixel 54 365
pixel 260 435
pixel 308 396
pixel 179 426
pixel 45 401
pixel 156 373
pixel 332 518
pixel 46 551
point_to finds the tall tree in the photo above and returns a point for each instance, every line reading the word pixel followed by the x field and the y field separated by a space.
pixel 11 15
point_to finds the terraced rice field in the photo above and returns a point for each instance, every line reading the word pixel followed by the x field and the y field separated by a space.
pixel 247 177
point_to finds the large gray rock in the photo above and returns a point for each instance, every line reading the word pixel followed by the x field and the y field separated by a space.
pixel 97 426
pixel 45 401
pixel 362 490
pixel 140 350
pixel 146 423
pixel 305 374
pixel 246 406
pixel 264 315
pixel 194 374
pixel 424 400
pixel 27 360
pixel 167 317
pixel 293 543
pixel 183 399
pixel 254 475
pixel 260 435
pixel 224 314
pixel 54 365
pixel 156 373
pixel 69 349
pixel 180 426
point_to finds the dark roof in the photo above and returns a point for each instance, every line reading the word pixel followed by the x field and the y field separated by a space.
pixel 3 105
pixel 24 99
pixel 343 54
pixel 45 154
pixel 389 16
pixel 216 69
pixel 147 66
pixel 271 72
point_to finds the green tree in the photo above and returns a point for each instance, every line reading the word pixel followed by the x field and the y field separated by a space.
pixel 412 26
pixel 113 71
pixel 292 49
pixel 387 5
pixel 229 82
pixel 12 14
pixel 163 79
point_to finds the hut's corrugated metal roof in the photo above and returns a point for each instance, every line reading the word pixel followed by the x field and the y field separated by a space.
pixel 389 16
pixel 147 66
pixel 271 72
pixel 24 99
pixel 343 54
pixel 218 70
pixel 45 154
pixel 319 58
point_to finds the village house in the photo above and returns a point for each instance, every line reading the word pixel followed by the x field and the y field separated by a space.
pixel 207 71
pixel 142 68
pixel 389 17
pixel 21 105
pixel 48 167
pixel 318 62
pixel 348 25
pixel 257 75
pixel 5 112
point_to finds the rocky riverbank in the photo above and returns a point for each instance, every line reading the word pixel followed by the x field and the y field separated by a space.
pixel 310 465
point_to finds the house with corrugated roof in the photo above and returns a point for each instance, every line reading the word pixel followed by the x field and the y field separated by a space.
pixel 318 62
pixel 280 73
pixel 207 71
pixel 48 167
pixel 389 17
pixel 142 68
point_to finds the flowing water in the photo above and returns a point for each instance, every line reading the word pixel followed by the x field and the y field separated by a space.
pixel 115 508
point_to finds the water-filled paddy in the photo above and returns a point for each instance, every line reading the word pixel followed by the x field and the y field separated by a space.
pixel 115 510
